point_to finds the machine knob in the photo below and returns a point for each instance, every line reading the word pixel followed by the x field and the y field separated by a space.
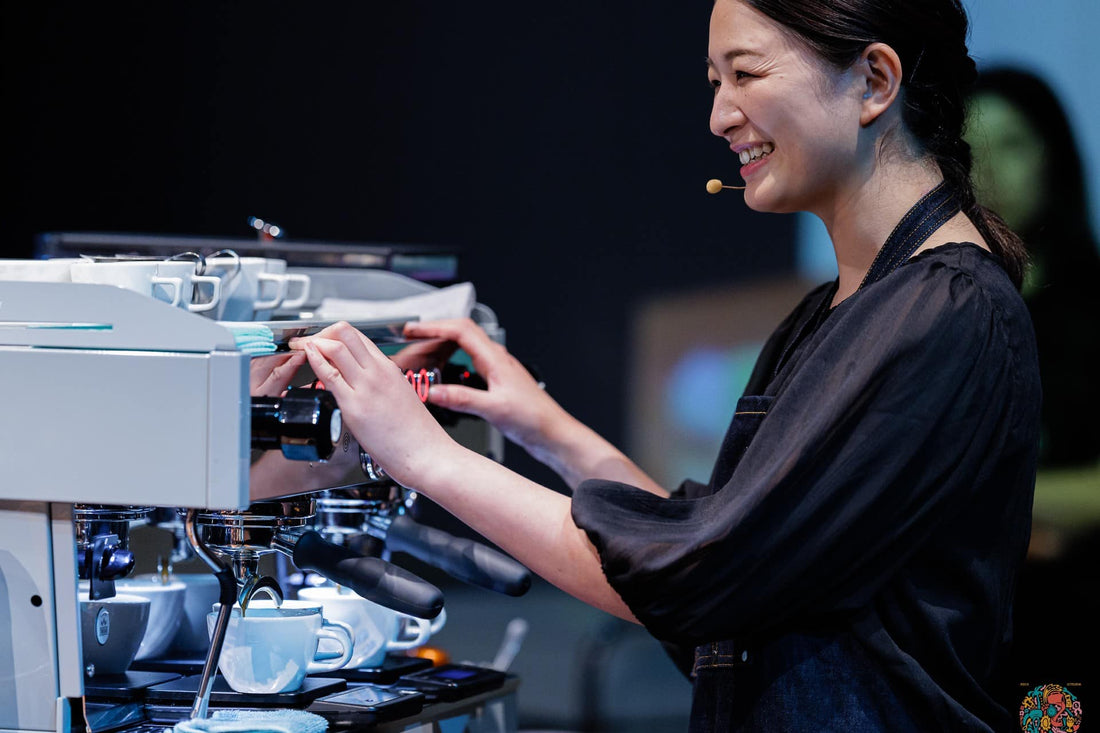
pixel 304 423
pixel 117 563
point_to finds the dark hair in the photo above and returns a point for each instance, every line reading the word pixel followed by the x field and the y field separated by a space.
pixel 937 72
pixel 1064 221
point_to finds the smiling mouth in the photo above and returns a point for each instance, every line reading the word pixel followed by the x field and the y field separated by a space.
pixel 756 152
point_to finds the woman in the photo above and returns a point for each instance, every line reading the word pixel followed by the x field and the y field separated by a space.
pixel 850 564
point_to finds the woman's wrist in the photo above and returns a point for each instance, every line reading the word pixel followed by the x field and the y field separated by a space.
pixel 557 440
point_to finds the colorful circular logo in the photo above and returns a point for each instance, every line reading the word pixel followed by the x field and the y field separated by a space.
pixel 1050 709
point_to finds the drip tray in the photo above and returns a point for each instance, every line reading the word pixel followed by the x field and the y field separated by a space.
pixel 181 692
pixel 126 687
pixel 181 665
pixel 387 673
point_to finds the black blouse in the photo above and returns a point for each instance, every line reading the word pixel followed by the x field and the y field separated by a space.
pixel 886 496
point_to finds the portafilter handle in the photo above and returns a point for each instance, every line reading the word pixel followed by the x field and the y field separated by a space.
pixel 102 563
pixel 465 559
pixel 370 577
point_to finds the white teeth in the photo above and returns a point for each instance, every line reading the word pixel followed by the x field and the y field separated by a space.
pixel 756 152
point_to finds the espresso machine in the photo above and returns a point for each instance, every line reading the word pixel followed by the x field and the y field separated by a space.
pixel 127 410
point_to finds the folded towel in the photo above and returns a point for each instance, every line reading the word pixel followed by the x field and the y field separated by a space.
pixel 276 720
pixel 252 338
pixel 453 301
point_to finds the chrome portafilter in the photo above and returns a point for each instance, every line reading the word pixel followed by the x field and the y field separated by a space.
pixel 231 543
pixel 366 509
pixel 240 538
pixel 102 543
pixel 375 518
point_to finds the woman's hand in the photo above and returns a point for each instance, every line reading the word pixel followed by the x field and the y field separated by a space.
pixel 378 405
pixel 518 406
pixel 514 402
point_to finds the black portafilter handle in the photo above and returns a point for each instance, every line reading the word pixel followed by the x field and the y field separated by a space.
pixel 304 424
pixel 370 577
pixel 465 559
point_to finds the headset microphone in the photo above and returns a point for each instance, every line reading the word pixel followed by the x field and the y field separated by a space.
pixel 714 186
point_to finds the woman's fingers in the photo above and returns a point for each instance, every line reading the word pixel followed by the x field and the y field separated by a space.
pixel 324 369
pixel 358 345
pixel 450 328
pixel 470 337
pixel 461 399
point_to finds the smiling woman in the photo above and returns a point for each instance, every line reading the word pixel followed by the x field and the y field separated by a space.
pixel 850 563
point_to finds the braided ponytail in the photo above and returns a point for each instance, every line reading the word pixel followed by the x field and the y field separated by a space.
pixel 938 73
pixel 935 113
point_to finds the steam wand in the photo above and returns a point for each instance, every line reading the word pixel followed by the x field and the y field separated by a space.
pixel 227 595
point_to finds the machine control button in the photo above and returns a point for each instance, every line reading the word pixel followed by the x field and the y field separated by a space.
pixel 102 626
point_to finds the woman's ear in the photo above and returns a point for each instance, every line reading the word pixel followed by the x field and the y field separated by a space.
pixel 879 67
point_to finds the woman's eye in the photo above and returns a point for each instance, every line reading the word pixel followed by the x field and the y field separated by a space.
pixel 742 75
pixel 714 84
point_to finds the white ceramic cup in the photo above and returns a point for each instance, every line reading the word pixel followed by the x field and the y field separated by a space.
pixel 410 625
pixel 294 280
pixel 172 282
pixel 247 287
pixel 270 649
pixel 152 279
pixel 165 611
pixel 51 271
pixel 378 629
pixel 111 631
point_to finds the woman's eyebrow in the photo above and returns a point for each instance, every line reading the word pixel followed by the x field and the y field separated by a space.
pixel 734 53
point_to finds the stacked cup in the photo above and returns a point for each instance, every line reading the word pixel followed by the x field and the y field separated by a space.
pixel 171 281
pixel 253 287
pixel 223 286
pixel 377 630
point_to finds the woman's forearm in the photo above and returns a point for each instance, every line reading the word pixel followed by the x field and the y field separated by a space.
pixel 528 521
pixel 576 452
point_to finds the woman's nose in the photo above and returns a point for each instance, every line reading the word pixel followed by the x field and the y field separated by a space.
pixel 725 113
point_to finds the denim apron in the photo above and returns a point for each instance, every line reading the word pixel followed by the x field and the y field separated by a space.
pixel 722 673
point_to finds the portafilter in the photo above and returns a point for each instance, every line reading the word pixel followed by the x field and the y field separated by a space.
pixel 102 545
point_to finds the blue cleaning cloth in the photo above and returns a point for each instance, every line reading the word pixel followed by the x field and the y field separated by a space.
pixel 254 721
pixel 252 338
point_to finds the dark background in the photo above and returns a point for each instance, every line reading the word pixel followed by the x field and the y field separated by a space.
pixel 563 148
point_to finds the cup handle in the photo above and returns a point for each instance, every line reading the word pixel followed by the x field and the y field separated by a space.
pixel 423 631
pixel 280 291
pixel 175 282
pixel 303 280
pixel 438 621
pixel 215 293
pixel 342 634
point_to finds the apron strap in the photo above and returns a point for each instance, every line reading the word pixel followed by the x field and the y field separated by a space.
pixel 914 229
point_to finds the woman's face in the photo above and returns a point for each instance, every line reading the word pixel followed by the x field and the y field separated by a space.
pixel 1009 160
pixel 792 118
